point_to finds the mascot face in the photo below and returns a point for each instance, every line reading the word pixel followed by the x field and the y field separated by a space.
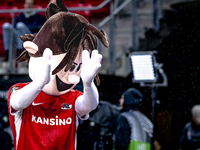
pixel 61 82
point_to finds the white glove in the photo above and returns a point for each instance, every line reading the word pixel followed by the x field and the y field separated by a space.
pixel 90 98
pixel 90 66
pixel 22 98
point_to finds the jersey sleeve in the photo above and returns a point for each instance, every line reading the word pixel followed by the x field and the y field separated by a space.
pixel 77 94
pixel 12 90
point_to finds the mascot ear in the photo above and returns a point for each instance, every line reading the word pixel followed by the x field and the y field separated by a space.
pixel 24 56
pixel 31 47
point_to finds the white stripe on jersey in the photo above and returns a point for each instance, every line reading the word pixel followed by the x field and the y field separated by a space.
pixel 18 121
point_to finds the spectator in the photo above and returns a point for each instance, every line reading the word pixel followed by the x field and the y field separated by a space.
pixel 133 129
pixel 25 23
pixel 190 138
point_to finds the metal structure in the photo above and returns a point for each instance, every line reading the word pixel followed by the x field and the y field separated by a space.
pixel 12 52
pixel 153 84
pixel 113 11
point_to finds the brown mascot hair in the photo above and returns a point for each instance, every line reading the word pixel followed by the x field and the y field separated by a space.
pixel 64 32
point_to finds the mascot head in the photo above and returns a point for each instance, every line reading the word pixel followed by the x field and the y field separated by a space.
pixel 66 34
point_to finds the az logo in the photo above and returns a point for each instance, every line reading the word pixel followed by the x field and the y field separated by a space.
pixel 66 106
pixel 14 89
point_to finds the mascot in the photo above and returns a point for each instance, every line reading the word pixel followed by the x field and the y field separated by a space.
pixel 44 113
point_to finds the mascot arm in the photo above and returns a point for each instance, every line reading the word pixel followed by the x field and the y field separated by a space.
pixel 88 101
pixel 90 98
pixel 22 98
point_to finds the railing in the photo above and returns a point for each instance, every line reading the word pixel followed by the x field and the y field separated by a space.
pixel 157 14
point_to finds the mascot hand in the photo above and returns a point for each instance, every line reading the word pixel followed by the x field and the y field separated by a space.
pixel 46 71
pixel 90 66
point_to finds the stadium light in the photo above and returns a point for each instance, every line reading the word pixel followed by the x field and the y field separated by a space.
pixel 143 66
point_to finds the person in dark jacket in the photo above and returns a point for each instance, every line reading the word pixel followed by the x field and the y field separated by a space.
pixel 190 138
pixel 133 130
pixel 25 23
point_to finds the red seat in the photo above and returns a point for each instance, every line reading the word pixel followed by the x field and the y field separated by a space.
pixel 105 11
pixel 66 2
pixel 5 18
pixel 19 3
pixel 8 7
pixel 43 3
pixel 85 13
pixel 7 2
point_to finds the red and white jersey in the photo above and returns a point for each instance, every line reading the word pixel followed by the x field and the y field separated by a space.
pixel 49 123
